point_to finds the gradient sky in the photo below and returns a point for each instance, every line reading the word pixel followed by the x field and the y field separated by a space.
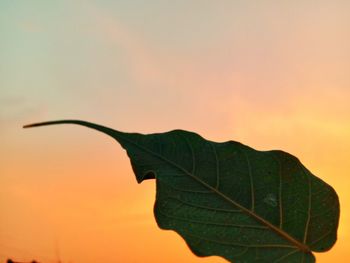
pixel 270 74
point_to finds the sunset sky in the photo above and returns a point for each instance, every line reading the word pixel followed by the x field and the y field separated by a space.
pixel 270 74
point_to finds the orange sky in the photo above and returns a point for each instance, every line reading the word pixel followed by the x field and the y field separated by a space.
pixel 270 75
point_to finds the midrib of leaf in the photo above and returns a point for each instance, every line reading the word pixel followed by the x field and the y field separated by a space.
pixel 119 136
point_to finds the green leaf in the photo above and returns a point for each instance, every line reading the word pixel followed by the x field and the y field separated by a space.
pixel 229 200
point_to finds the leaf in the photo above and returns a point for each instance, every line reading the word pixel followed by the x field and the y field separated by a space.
pixel 229 200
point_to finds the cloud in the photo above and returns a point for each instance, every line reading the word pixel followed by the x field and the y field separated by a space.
pixel 143 64
pixel 31 26
pixel 14 110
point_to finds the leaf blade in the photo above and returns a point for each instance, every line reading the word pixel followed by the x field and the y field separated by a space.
pixel 193 174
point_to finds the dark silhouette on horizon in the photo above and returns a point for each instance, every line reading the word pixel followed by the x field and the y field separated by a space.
pixel 11 261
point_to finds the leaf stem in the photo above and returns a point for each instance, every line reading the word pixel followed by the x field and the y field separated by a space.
pixel 91 125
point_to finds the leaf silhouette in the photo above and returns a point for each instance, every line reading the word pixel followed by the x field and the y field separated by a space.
pixel 229 200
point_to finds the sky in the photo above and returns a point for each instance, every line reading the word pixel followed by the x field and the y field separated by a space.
pixel 270 74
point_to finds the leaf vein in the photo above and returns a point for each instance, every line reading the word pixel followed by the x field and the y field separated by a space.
pixel 239 244
pixel 309 205
pixel 252 194
pixel 205 207
pixel 212 223
pixel 217 166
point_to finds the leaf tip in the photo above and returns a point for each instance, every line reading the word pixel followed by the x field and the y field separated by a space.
pixel 28 126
